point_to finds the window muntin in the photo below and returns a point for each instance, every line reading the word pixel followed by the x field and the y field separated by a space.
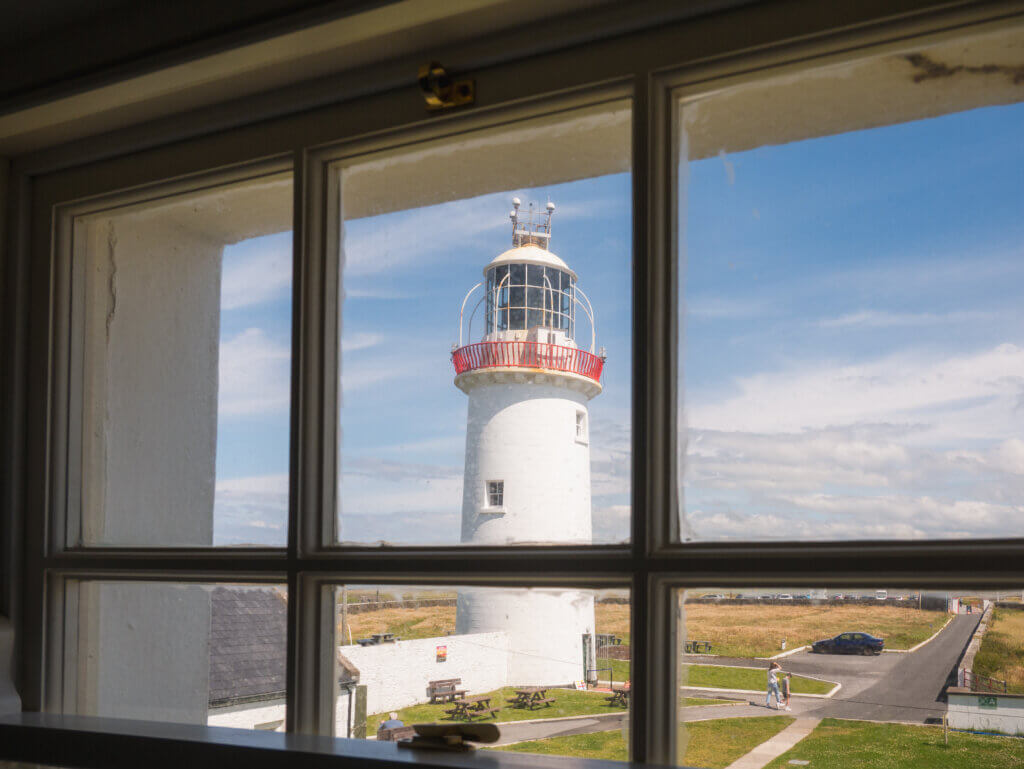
pixel 850 319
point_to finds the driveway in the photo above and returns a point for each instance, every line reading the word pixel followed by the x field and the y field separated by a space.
pixel 890 687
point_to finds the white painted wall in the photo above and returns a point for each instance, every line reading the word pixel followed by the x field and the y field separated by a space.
pixel 545 630
pixel 396 675
pixel 965 712
pixel 142 651
pixel 247 716
pixel 525 434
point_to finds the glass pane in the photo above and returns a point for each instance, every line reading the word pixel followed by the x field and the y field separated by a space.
pixel 416 448
pixel 517 275
pixel 181 309
pixel 185 653
pixel 548 666
pixel 852 338
pixel 791 676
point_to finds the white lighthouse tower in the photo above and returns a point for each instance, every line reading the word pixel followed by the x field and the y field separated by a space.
pixel 527 473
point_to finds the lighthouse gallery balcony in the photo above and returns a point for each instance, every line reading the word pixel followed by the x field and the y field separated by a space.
pixel 528 355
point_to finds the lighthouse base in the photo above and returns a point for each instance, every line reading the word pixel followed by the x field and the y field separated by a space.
pixel 550 632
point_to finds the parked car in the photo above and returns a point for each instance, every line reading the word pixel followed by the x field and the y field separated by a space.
pixel 784 597
pixel 849 643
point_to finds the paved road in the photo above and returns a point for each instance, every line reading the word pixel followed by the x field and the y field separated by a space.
pixel 890 687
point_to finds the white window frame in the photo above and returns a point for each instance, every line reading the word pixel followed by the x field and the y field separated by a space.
pixel 489 494
pixel 651 66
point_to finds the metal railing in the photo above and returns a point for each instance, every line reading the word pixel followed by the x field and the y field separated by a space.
pixel 527 355
pixel 979 683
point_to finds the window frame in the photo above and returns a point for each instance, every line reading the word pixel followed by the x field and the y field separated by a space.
pixel 646 65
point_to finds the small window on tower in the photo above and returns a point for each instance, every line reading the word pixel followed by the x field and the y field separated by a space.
pixel 581 426
pixel 495 493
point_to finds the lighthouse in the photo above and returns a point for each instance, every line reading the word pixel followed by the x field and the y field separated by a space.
pixel 527 470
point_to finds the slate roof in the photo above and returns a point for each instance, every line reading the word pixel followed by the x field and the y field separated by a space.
pixel 248 642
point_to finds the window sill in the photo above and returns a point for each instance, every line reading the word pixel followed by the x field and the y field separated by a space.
pixel 491 511
pixel 84 741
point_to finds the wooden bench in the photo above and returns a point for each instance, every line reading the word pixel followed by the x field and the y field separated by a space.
pixel 470 707
pixel 444 690
pixel 393 735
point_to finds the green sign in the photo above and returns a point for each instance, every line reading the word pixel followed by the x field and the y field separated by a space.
pixel 987 703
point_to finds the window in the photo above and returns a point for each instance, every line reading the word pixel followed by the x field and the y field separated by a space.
pixel 315 453
pixel 495 493
pixel 581 426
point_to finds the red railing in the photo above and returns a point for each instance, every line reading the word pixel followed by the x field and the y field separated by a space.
pixel 527 355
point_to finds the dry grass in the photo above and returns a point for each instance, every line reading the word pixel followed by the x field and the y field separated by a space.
pixel 756 631
pixel 421 622
pixel 612 618
pixel 1002 649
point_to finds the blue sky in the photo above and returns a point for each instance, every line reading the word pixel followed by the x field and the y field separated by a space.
pixel 853 361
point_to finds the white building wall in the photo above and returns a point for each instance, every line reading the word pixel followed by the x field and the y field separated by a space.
pixel 396 675
pixel 249 716
pixel 965 712
pixel 545 630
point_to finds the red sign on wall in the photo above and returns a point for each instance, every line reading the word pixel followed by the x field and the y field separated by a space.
pixel 442 653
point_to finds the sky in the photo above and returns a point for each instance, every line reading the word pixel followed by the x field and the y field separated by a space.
pixel 854 348
pixel 852 361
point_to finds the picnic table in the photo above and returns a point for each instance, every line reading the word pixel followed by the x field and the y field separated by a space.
pixel 469 708
pixel 619 697
pixel 694 647
pixel 531 697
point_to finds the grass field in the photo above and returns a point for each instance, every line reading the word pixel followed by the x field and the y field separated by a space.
pixel 736 631
pixel 711 744
pixel 568 702
pixel 725 678
pixel 836 744
pixel 696 702
pixel 756 631
pixel 746 678
pixel 1002 649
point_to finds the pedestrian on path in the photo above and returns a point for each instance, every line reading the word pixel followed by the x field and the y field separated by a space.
pixel 785 689
pixel 773 686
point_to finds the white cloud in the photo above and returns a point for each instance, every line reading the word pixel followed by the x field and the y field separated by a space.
pixel 251 510
pixel 883 319
pixel 254 374
pixel 258 272
pixel 971 395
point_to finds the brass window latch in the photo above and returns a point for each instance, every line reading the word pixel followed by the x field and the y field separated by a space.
pixel 440 91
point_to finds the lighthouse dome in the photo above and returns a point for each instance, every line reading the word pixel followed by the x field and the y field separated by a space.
pixel 529 254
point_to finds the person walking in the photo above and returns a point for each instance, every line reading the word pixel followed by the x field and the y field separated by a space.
pixel 773 686
pixel 785 690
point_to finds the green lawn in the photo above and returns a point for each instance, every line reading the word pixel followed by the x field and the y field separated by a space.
pixel 836 744
pixel 747 678
pixel 711 744
pixel 726 678
pixel 568 702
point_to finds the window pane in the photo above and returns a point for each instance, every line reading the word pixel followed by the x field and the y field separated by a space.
pixel 185 653
pixel 416 448
pixel 182 310
pixel 853 336
pixel 772 669
pixel 514 657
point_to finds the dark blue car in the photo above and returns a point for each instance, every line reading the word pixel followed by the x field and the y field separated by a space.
pixel 849 643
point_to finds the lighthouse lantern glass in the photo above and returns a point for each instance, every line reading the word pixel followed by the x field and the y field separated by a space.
pixel 524 296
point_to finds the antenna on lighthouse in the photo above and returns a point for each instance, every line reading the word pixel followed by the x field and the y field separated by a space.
pixel 532 228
